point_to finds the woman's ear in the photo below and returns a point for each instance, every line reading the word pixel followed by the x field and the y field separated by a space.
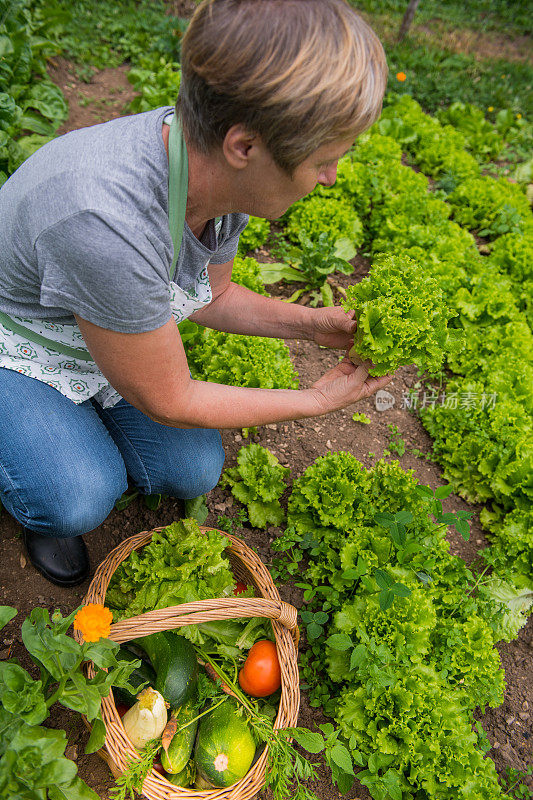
pixel 239 146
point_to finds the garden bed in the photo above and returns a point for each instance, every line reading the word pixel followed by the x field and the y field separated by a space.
pixel 297 444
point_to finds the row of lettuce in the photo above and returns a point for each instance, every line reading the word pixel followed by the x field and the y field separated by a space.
pixel 401 648
pixel 403 684
pixel 400 631
pixel 484 444
pixel 480 416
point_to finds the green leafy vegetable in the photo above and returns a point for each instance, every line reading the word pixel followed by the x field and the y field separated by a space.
pixel 401 317
pixel 491 207
pixel 247 272
pixel 254 235
pixel 315 215
pixel 516 603
pixel 157 79
pixel 258 482
pixel 311 262
pixel 180 565
pixel 237 360
pixel 29 101
pixel 407 639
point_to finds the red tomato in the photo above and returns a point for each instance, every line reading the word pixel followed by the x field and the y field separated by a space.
pixel 261 673
pixel 159 767
pixel 121 709
pixel 240 588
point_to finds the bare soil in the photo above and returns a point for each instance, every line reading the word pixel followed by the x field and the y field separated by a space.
pixel 103 97
pixel 297 444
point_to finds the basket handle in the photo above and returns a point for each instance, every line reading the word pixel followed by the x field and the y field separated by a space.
pixel 203 611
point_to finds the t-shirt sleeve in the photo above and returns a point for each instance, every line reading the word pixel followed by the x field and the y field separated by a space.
pixel 105 270
pixel 232 227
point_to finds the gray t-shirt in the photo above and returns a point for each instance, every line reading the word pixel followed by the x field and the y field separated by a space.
pixel 84 229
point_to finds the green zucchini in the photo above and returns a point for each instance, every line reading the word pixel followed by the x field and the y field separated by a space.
pixel 225 747
pixel 174 660
pixel 139 677
pixel 179 751
pixel 201 784
pixel 185 777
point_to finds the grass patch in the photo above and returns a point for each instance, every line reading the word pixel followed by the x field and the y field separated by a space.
pixel 485 15
pixel 436 78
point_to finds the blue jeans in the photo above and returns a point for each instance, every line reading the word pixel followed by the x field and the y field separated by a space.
pixel 63 466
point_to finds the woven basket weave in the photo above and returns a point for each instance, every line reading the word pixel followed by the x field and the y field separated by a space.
pixel 247 567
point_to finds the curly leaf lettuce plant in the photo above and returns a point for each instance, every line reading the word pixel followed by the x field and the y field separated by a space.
pixel 258 482
pixel 515 606
pixel 511 551
pixel 317 214
pixel 246 272
pixel 254 235
pixel 491 207
pixel 484 447
pixel 235 360
pixel 513 254
pixel 401 317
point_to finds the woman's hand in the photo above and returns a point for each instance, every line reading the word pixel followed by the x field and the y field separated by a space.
pixel 346 383
pixel 332 327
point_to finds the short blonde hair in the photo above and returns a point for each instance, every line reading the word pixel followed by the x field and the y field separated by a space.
pixel 300 73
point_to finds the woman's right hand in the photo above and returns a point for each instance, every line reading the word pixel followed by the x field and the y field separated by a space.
pixel 346 383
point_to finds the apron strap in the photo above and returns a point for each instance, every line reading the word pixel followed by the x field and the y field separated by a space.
pixel 178 184
pixel 32 336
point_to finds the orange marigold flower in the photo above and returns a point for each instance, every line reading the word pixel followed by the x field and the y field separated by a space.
pixel 401 76
pixel 93 621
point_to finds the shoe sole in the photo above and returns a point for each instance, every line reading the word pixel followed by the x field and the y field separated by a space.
pixel 64 584
pixel 57 581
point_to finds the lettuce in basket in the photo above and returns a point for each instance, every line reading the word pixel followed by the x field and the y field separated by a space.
pixel 181 565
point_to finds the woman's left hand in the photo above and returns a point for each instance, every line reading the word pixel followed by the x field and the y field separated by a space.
pixel 333 327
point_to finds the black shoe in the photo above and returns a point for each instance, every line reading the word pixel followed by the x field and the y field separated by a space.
pixel 64 562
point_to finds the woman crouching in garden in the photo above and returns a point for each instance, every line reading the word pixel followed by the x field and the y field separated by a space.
pixel 112 234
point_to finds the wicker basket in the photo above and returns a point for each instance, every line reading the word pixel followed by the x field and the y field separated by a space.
pixel 247 567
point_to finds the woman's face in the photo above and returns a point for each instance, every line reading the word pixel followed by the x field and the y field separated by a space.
pixel 275 191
